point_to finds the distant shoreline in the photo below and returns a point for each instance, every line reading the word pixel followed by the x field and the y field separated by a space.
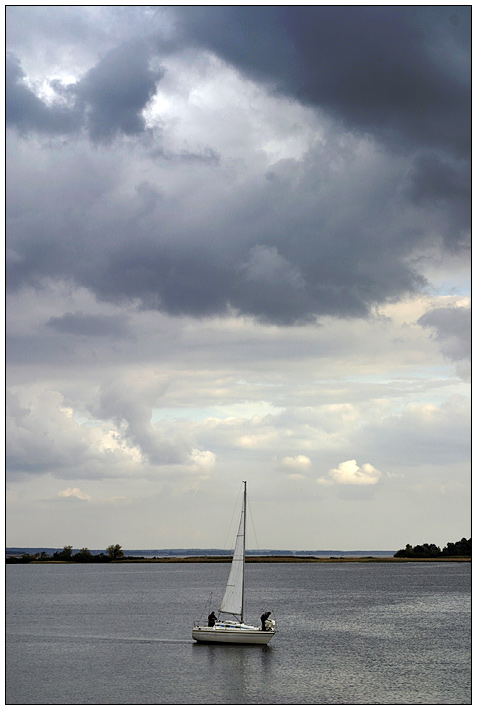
pixel 199 559
pixel 297 560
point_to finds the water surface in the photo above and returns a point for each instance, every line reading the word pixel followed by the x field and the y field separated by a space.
pixel 349 633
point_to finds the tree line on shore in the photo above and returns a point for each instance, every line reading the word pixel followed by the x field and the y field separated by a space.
pixel 462 548
pixel 113 552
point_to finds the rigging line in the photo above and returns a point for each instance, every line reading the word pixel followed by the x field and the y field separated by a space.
pixel 232 519
pixel 207 605
pixel 253 524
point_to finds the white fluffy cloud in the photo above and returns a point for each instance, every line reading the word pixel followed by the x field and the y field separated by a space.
pixel 44 437
pixel 203 460
pixel 349 473
pixel 75 493
pixel 296 464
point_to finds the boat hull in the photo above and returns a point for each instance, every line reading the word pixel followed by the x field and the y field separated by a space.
pixel 231 634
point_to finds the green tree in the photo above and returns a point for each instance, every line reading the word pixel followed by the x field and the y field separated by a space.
pixel 407 552
pixel 26 557
pixel 84 555
pixel 65 555
pixel 114 552
pixel 462 548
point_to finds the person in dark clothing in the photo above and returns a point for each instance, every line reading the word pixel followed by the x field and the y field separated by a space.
pixel 212 619
pixel 264 618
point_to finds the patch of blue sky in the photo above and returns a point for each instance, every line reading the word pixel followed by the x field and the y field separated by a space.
pixel 239 410
pixel 421 374
pixel 191 413
pixel 434 386
pixel 456 283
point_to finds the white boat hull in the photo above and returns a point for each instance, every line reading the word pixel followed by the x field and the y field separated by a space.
pixel 222 633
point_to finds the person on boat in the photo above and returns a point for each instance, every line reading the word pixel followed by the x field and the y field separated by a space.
pixel 264 618
pixel 212 619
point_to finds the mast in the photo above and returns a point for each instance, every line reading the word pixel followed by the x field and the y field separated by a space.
pixel 244 544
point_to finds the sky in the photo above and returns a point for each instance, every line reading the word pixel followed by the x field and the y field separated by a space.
pixel 238 248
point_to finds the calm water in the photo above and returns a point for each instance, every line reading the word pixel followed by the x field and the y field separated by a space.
pixel 348 634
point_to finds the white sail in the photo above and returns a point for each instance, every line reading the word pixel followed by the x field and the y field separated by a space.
pixel 232 603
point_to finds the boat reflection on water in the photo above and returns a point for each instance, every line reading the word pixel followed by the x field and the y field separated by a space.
pixel 237 670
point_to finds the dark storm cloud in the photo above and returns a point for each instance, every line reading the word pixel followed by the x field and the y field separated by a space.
pixel 441 183
pixel 107 100
pixel 294 262
pixel 403 73
pixel 327 234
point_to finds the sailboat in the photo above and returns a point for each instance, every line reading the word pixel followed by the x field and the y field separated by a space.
pixel 235 631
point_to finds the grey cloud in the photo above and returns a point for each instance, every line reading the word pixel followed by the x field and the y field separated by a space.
pixel 283 250
pixel 400 74
pixel 90 325
pixel 25 111
pixel 178 281
pixel 129 404
pixel 421 435
pixel 203 282
pixel 107 100
pixel 378 68
pixel 434 180
pixel 294 262
pixel 452 329
pixel 82 30
pixel 41 439
pixel 445 185
pixel 327 234
pixel 116 90
pixel 207 155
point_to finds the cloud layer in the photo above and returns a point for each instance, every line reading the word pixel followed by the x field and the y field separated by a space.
pixel 238 245
pixel 281 239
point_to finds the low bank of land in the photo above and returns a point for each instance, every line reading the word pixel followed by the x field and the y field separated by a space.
pixel 297 560
pixel 267 558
